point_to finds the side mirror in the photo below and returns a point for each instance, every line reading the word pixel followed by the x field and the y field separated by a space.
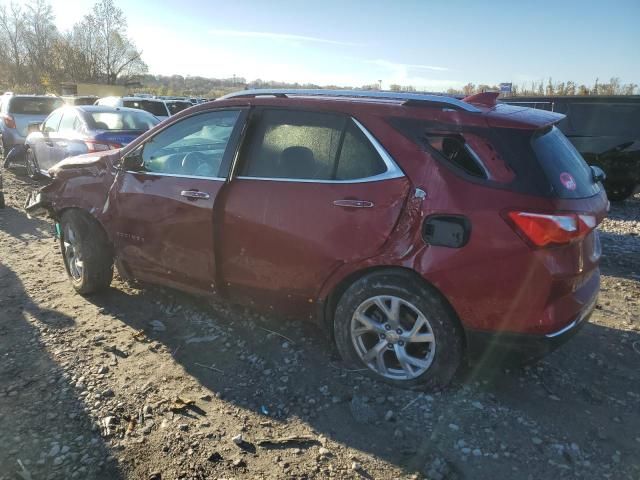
pixel 597 174
pixel 132 161
pixel 33 127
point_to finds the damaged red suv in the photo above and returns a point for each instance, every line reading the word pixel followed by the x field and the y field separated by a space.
pixel 419 229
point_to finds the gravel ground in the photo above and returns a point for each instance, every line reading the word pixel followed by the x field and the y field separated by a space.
pixel 151 384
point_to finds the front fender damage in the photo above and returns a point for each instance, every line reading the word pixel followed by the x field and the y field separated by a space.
pixel 80 182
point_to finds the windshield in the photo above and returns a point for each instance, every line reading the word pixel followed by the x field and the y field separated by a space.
pixel 34 105
pixel 122 120
pixel 156 108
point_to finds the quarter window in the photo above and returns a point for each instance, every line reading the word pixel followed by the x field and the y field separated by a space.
pixel 358 158
pixel 191 147
pixel 309 146
pixel 455 150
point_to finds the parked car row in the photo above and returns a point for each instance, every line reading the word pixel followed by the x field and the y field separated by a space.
pixel 45 131
pixel 192 100
pixel 418 230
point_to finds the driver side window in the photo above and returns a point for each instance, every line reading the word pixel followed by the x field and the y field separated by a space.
pixel 194 146
pixel 51 123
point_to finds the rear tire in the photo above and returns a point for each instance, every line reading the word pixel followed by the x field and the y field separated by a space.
pixel 399 330
pixel 86 251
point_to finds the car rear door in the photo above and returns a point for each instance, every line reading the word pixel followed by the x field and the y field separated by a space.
pixel 162 213
pixel 311 191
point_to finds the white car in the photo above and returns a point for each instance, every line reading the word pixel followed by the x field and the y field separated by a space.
pixel 154 106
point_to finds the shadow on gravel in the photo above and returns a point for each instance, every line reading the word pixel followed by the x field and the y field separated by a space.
pixel 44 431
pixel 23 228
pixel 620 255
pixel 244 358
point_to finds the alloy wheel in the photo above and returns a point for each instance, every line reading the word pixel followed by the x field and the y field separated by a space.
pixel 393 337
pixel 72 254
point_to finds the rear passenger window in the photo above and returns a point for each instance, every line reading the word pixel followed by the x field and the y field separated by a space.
pixel 299 145
pixel 309 146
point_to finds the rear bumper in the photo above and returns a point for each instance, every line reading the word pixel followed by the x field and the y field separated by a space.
pixel 481 344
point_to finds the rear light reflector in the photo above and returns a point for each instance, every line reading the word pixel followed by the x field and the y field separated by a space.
pixel 543 230
pixel 100 146
pixel 9 121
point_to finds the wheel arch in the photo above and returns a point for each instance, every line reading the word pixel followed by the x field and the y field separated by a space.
pixel 87 214
pixel 331 301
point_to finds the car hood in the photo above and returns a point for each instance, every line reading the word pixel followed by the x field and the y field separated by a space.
pixel 99 159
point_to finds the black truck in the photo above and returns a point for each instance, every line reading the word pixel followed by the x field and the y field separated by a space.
pixel 604 129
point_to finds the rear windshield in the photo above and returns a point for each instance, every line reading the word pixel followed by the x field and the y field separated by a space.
pixel 177 106
pixel 154 108
pixel 34 105
pixel 542 162
pixel 122 120
pixel 565 168
pixel 82 100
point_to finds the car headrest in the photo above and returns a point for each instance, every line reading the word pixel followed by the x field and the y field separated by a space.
pixel 297 162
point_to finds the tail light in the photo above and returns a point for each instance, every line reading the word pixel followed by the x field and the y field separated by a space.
pixel 545 230
pixel 100 146
pixel 9 121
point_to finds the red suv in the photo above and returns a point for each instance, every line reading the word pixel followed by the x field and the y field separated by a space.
pixel 419 229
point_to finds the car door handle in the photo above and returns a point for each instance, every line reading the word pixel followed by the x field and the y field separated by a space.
pixel 353 203
pixel 195 194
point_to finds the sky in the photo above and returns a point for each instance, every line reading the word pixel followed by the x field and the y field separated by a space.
pixel 429 44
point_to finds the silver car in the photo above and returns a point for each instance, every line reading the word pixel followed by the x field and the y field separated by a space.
pixel 18 111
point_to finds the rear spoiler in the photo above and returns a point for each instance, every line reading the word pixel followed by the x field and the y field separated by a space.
pixel 510 116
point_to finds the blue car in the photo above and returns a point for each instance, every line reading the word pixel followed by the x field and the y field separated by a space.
pixel 76 130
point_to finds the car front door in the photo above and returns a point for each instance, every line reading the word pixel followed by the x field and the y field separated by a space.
pixel 163 210
pixel 312 191
pixel 44 144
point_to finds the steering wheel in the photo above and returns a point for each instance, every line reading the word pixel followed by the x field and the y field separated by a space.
pixel 195 163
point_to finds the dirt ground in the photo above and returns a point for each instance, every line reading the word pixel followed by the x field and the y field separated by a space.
pixel 152 384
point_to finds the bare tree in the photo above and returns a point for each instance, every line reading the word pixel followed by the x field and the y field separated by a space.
pixel 40 36
pixel 12 30
pixel 120 55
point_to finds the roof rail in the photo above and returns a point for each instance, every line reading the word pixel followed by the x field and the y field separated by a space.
pixel 409 99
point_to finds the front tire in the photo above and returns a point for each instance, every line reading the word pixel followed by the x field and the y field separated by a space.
pixel 398 329
pixel 33 171
pixel 87 253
